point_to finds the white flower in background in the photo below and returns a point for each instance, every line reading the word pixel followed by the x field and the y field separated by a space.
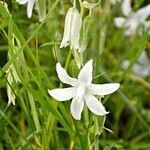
pixel 133 20
pixel 30 5
pixel 82 91
pixel 73 22
pixel 142 66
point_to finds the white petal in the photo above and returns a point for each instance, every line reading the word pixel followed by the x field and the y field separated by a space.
pixel 63 94
pixel 143 59
pixel 64 77
pixel 30 8
pixel 140 70
pixel 131 26
pixel 103 89
pixel 142 13
pixel 76 108
pixel 119 21
pixel 85 74
pixel 95 105
pixel 67 29
pixel 22 1
pixel 142 67
pixel 126 7
pixel 73 23
pixel 80 91
pixel 75 29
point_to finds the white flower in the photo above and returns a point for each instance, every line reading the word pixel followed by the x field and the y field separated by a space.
pixel 133 19
pixel 72 29
pixel 82 91
pixel 142 66
pixel 30 5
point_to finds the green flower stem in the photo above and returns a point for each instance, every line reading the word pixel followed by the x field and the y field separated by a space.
pixel 68 59
pixel 74 3
pixel 81 8
pixel 34 111
pixel 78 58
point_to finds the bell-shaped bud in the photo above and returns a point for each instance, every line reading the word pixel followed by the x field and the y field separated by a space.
pixel 86 32
pixel 73 22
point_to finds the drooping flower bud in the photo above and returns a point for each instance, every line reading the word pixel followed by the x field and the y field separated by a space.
pixel 12 74
pixel 73 22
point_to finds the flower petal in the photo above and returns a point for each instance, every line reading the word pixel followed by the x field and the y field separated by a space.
pixel 67 29
pixel 119 21
pixel 95 105
pixel 142 14
pixel 141 70
pixel 75 29
pixel 76 108
pixel 72 28
pixel 85 74
pixel 30 8
pixel 143 59
pixel 131 26
pixel 80 91
pixel 64 77
pixel 126 7
pixel 103 89
pixel 63 94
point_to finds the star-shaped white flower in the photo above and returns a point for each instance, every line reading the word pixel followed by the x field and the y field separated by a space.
pixel 30 5
pixel 82 91
pixel 133 20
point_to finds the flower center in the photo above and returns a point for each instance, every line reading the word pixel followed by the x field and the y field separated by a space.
pixel 80 92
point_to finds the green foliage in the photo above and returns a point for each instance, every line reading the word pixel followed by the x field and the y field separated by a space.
pixel 37 121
